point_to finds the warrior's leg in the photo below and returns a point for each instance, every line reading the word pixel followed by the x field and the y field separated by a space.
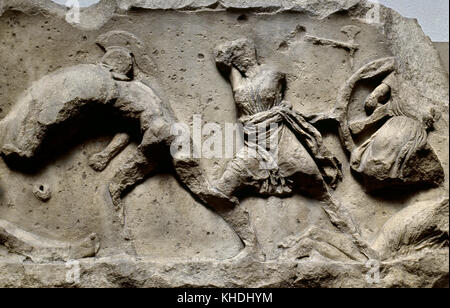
pixel 343 221
pixel 101 160
pixel 193 177
pixel 141 162
pixel 220 198
pixel 134 171
pixel 239 173
pixel 238 217
pixel 337 214
pixel 329 243
pixel 230 181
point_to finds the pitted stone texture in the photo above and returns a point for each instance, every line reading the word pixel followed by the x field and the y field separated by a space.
pixel 127 272
pixel 174 238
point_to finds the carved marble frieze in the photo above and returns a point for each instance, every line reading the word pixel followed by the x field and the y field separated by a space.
pixel 267 143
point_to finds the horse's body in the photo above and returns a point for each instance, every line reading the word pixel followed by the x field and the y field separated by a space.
pixel 65 94
pixel 68 93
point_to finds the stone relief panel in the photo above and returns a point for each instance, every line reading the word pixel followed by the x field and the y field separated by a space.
pixel 267 145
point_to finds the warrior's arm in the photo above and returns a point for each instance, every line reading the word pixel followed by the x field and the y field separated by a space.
pixel 377 105
pixel 235 77
pixel 379 96
pixel 379 115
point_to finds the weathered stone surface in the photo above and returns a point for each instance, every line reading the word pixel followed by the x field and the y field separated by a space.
pixel 348 187
pixel 443 49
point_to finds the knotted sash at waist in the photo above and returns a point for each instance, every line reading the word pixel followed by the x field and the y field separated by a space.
pixel 273 121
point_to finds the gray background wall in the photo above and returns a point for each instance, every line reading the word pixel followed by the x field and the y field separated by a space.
pixel 433 15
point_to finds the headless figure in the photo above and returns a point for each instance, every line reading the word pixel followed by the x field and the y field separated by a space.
pixel 65 94
pixel 300 163
pixel 384 103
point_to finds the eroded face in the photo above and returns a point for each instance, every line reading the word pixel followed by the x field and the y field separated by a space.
pixel 119 60
pixel 240 54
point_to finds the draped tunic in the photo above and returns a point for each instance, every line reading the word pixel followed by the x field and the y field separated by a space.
pixel 289 146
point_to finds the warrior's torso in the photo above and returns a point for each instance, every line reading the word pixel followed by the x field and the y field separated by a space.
pixel 259 93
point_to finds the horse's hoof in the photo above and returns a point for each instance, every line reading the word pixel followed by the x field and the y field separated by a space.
pixel 98 162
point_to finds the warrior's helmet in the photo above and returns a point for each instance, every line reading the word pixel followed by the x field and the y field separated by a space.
pixel 124 51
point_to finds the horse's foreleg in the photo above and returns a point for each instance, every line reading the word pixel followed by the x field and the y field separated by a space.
pixel 135 170
pixel 101 160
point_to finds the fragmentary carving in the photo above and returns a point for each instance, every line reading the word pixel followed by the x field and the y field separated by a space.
pixel 259 94
pixel 351 45
pixel 300 153
pixel 298 163
pixel 332 245
pixel 41 249
pixel 109 84
pixel 419 227
pixel 398 153
pixel 303 218
pixel 100 161
pixel 297 34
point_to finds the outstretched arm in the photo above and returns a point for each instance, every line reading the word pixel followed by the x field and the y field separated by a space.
pixel 378 97
pixel 379 115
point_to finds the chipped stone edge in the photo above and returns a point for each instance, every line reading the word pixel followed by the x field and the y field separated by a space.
pixel 129 271
pixel 105 9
